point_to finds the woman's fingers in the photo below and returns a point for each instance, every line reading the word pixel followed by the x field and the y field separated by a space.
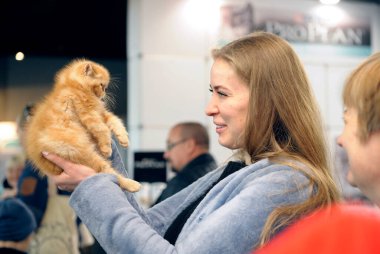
pixel 72 173
pixel 59 161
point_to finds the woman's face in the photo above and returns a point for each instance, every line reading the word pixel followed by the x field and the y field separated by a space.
pixel 228 104
pixel 363 157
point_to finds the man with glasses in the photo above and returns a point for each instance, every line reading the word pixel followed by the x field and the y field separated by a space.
pixel 187 152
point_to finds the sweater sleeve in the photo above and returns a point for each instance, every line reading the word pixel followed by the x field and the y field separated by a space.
pixel 117 224
pixel 220 224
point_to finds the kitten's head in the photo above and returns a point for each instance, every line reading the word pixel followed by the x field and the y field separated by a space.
pixel 87 75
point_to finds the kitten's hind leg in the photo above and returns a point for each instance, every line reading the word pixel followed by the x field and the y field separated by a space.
pixel 128 184
pixel 124 182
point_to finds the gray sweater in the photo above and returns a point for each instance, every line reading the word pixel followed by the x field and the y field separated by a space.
pixel 228 220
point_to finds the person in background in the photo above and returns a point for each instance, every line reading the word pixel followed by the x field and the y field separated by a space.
pixel 263 108
pixel 187 152
pixel 17 225
pixel 32 187
pixel 13 169
pixel 361 134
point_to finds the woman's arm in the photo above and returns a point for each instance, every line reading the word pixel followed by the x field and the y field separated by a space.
pixel 221 224
pixel 228 220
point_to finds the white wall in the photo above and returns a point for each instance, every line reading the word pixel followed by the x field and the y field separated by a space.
pixel 169 66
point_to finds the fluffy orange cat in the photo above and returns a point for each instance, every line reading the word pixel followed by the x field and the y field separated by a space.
pixel 73 122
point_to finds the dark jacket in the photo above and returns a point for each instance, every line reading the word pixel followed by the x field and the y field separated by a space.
pixel 195 169
pixel 4 250
pixel 37 200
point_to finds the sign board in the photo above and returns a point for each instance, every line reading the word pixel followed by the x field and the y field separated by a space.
pixel 149 167
pixel 329 30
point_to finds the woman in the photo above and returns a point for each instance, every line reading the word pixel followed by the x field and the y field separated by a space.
pixel 361 133
pixel 262 106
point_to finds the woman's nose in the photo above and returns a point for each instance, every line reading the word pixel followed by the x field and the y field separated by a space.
pixel 211 108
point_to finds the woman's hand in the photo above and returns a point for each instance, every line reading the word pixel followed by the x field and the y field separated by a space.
pixel 72 173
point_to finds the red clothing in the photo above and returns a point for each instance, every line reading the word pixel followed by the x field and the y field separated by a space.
pixel 345 228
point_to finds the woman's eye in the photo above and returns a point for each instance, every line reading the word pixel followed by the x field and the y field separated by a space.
pixel 221 93
pixel 218 92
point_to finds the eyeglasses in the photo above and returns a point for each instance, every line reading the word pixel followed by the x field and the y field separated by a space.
pixel 170 146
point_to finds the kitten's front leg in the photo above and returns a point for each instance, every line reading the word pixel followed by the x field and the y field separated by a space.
pixel 99 130
pixel 102 134
pixel 117 127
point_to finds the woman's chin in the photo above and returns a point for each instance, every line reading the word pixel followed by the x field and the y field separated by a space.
pixel 226 144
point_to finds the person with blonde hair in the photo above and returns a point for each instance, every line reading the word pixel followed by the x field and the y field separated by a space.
pixel 361 134
pixel 263 108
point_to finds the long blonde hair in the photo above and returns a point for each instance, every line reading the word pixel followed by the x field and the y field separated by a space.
pixel 283 119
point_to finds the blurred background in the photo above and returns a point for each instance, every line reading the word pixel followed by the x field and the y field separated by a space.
pixel 158 52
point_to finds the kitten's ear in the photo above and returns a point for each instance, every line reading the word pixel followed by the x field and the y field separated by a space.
pixel 88 70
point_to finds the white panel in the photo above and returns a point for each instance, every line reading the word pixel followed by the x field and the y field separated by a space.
pixel 153 139
pixel 317 77
pixel 336 78
pixel 165 29
pixel 172 90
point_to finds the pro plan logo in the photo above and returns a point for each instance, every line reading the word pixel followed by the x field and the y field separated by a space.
pixel 311 27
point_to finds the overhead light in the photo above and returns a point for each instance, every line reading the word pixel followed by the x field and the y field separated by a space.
pixel 329 1
pixel 198 13
pixel 19 56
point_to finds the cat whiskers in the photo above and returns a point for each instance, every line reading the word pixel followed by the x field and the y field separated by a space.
pixel 109 100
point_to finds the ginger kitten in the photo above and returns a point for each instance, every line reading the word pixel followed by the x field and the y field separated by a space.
pixel 73 122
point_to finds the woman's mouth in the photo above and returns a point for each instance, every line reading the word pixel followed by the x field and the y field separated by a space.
pixel 220 128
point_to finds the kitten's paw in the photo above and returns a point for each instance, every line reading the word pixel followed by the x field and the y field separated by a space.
pixel 106 151
pixel 124 141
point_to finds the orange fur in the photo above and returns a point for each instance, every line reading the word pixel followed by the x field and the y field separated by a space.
pixel 73 122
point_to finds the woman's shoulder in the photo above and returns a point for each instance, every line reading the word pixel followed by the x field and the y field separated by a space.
pixel 277 169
